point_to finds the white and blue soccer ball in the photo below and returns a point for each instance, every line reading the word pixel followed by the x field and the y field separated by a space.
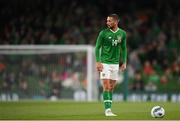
pixel 157 112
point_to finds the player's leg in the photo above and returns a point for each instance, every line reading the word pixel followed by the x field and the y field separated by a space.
pixel 108 87
pixel 111 83
pixel 106 94
pixel 113 77
pixel 105 77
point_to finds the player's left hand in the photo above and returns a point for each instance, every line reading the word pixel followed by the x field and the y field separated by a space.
pixel 122 67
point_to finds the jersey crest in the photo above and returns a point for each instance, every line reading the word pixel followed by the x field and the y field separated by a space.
pixel 119 38
pixel 116 41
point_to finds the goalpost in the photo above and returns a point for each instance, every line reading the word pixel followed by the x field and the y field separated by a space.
pixel 77 60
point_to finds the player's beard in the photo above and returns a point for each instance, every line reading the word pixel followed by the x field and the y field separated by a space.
pixel 110 27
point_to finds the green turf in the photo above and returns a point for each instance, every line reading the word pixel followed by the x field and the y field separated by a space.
pixel 41 110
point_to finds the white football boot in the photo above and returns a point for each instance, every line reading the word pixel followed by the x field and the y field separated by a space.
pixel 108 112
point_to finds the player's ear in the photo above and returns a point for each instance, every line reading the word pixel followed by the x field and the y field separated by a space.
pixel 116 20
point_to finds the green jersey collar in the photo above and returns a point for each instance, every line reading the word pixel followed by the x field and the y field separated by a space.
pixel 114 31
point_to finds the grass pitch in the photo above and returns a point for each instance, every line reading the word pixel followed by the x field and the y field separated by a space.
pixel 61 110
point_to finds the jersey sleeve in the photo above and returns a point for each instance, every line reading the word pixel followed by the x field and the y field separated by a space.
pixel 98 46
pixel 124 48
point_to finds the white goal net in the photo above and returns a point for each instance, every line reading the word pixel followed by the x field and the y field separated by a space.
pixel 48 72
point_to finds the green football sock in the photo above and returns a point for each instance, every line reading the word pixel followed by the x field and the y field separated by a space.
pixel 110 95
pixel 110 98
pixel 107 96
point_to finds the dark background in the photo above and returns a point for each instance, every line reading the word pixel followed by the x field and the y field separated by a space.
pixel 152 26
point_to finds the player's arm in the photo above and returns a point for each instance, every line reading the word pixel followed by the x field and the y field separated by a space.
pixel 124 53
pixel 97 51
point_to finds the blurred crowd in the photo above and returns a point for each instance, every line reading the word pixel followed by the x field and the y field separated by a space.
pixel 78 22
pixel 28 77
pixel 152 26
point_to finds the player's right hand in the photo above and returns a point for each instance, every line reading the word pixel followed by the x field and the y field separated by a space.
pixel 99 66
pixel 122 67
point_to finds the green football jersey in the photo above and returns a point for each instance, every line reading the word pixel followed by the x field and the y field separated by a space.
pixel 111 46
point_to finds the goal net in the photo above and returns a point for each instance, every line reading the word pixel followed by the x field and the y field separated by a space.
pixel 48 72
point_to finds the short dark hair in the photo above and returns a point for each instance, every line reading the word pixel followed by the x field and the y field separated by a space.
pixel 114 16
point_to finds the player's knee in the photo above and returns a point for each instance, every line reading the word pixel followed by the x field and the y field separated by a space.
pixel 106 88
pixel 111 88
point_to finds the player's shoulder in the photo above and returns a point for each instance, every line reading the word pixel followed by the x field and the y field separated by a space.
pixel 103 31
pixel 122 31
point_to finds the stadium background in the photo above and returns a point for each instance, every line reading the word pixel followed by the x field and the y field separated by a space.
pixel 153 40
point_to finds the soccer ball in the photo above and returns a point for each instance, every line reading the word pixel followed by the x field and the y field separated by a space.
pixel 157 112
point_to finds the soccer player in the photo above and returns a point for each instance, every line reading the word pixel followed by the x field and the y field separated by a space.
pixel 110 49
